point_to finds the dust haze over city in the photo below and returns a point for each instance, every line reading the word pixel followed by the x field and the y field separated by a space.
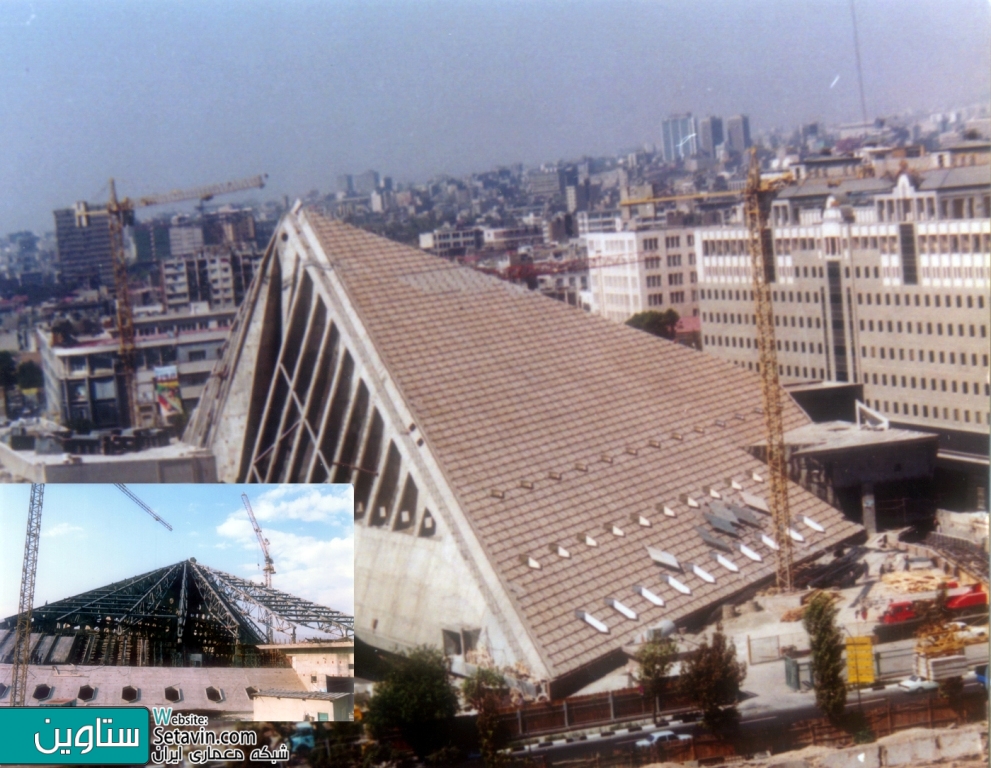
pixel 649 340
pixel 169 95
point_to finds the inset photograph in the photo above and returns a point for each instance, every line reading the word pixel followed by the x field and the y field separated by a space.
pixel 225 601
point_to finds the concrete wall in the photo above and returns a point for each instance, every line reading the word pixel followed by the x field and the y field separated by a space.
pixel 274 709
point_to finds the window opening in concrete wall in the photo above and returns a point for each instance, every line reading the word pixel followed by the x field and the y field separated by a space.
pixel 297 325
pixel 320 391
pixel 406 516
pixel 365 478
pixel 429 526
pixel 334 424
pixel 173 694
pixel 452 642
pixel 385 499
pixel 352 435
pixel 311 350
pixel 129 693
pixel 214 694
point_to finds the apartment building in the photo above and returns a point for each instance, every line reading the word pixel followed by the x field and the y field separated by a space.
pixel 632 272
pixel 218 276
pixel 892 293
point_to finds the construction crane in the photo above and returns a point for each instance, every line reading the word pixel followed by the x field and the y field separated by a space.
pixel 758 194
pixel 120 213
pixel 269 568
pixel 29 572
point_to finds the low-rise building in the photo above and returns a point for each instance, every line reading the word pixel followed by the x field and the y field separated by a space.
pixel 84 383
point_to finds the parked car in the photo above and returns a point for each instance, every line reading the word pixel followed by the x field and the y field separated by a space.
pixel 661 737
pixel 916 684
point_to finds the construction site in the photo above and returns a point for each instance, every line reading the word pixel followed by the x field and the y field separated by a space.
pixel 184 635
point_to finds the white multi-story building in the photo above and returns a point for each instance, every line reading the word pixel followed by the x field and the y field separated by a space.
pixel 633 272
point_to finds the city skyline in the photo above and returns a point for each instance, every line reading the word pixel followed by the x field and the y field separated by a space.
pixel 161 97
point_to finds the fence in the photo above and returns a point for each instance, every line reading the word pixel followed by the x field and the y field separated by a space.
pixel 882 718
pixel 764 649
pixel 579 712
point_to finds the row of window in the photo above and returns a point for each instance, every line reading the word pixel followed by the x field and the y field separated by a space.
pixel 943 355
pixel 897 324
pixel 965 388
pixel 743 319
pixel 892 407
pixel 925 300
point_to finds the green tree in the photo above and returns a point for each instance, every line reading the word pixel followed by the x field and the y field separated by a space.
pixel 711 678
pixel 8 369
pixel 416 699
pixel 485 691
pixel 655 659
pixel 657 323
pixel 29 375
pixel 827 656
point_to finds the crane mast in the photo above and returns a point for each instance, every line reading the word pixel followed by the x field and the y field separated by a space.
pixel 22 633
pixel 25 603
pixel 757 199
pixel 269 568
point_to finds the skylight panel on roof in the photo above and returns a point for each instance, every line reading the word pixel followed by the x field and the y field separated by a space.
pixel 769 542
pixel 715 494
pixel 593 622
pixel 755 502
pixel 529 562
pixel 673 582
pixel 795 535
pixel 721 524
pixel 666 559
pixel 744 515
pixel 724 511
pixel 757 477
pixel 735 485
pixel 554 475
pixel 615 530
pixel 640 520
pixel 665 509
pixel 748 552
pixel 725 562
pixel 712 540
pixel 813 524
pixel 588 540
pixel 581 466
pixel 703 574
pixel 560 551
pixel 648 595
pixel 619 607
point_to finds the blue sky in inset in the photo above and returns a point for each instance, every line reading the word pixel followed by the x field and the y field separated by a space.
pixel 92 535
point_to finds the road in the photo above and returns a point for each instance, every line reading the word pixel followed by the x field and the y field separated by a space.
pixel 753 719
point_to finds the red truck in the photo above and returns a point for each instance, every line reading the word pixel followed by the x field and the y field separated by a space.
pixel 973 597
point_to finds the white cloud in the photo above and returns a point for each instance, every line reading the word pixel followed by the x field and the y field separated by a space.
pixel 60 529
pixel 307 503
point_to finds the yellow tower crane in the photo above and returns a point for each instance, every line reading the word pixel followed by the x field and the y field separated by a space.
pixel 120 213
pixel 758 194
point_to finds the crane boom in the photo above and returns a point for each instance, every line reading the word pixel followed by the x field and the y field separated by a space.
pixel 269 568
pixel 757 201
pixel 202 193
pixel 130 494
pixel 22 633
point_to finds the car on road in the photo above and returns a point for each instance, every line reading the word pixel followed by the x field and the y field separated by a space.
pixel 661 737
pixel 916 684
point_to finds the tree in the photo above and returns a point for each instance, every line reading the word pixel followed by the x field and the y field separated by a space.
pixel 484 691
pixel 8 369
pixel 826 646
pixel 657 323
pixel 416 699
pixel 29 375
pixel 655 659
pixel 711 677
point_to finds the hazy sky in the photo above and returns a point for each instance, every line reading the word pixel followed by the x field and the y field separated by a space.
pixel 175 94
pixel 93 535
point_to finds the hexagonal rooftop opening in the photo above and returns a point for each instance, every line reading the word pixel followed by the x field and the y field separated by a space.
pixel 214 694
pixel 86 693
pixel 173 694
pixel 42 692
pixel 129 693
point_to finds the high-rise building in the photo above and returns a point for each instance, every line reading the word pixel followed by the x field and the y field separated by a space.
pixel 345 184
pixel 83 245
pixel 366 183
pixel 710 135
pixel 738 133
pixel 680 136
